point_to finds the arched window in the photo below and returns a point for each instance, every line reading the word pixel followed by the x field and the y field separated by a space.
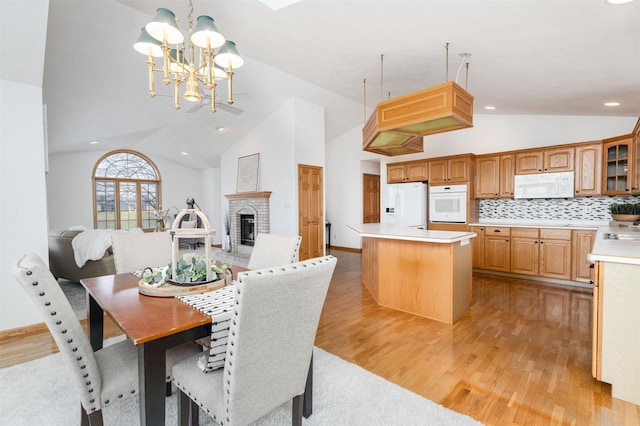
pixel 126 191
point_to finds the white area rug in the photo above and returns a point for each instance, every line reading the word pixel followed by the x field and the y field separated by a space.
pixel 40 393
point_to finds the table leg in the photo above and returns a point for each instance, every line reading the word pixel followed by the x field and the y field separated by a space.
pixel 151 372
pixel 95 319
pixel 307 403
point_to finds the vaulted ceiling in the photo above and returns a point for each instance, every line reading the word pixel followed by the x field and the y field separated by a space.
pixel 527 57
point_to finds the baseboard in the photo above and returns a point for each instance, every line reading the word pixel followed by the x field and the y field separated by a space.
pixel 535 278
pixel 351 249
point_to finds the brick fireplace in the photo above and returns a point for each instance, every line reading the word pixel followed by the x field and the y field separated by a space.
pixel 245 205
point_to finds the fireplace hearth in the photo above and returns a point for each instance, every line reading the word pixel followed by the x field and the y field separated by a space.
pixel 249 216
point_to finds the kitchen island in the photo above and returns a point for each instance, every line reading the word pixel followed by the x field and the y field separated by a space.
pixel 616 311
pixel 422 272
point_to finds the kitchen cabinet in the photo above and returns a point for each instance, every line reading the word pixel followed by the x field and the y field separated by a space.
pixel 488 177
pixel 555 253
pixel 545 161
pixel 477 247
pixel 414 171
pixel 525 251
pixel 635 180
pixel 581 245
pixel 617 165
pixel 497 252
pixel 507 171
pixel 449 170
pixel 588 176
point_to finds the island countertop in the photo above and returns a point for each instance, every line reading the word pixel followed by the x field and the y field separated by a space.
pixel 400 232
pixel 617 251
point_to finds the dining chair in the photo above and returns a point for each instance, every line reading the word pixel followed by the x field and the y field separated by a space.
pixel 270 347
pixel 272 250
pixel 100 378
pixel 135 251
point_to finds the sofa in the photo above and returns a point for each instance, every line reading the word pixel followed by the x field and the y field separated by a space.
pixel 62 262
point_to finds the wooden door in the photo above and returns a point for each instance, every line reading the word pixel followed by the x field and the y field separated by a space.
pixel 507 171
pixel 588 178
pixel 396 173
pixel 458 170
pixel 555 258
pixel 437 171
pixel 310 211
pixel 529 162
pixel 616 173
pixel 488 177
pixel 582 243
pixel 418 171
pixel 635 169
pixel 524 256
pixel 497 253
pixel 370 198
pixel 559 160
pixel 477 247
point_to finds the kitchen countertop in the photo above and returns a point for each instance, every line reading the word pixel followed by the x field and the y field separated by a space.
pixel 617 251
pixel 400 232
pixel 551 224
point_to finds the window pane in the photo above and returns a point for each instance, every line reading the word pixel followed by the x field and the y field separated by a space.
pixel 128 205
pixel 106 204
pixel 126 165
pixel 149 200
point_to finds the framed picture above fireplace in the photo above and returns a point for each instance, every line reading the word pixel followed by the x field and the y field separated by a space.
pixel 248 167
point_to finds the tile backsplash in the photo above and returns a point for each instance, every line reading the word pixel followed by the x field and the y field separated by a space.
pixel 581 209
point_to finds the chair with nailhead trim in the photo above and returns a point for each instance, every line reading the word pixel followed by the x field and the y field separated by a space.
pixel 270 346
pixel 273 250
pixel 100 378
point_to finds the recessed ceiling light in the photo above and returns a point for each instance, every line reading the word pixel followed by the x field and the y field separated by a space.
pixel 94 142
pixel 184 153
pixel 611 104
pixel 221 128
pixel 489 107
pixel 618 1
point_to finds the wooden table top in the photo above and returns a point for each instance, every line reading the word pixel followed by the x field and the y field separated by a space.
pixel 142 318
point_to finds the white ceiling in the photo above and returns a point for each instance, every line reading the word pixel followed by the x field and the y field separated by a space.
pixel 528 57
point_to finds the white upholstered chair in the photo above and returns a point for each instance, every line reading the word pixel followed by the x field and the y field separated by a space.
pixel 271 338
pixel 137 250
pixel 100 378
pixel 273 250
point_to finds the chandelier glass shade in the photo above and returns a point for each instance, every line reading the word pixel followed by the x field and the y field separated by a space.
pixel 162 38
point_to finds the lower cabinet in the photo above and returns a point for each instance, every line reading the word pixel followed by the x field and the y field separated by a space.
pixel 525 251
pixel 497 252
pixel 555 253
pixel 581 245
pixel 477 247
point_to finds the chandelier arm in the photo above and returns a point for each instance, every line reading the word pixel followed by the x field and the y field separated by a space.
pixel 166 49
pixel 151 64
pixel 230 85
pixel 176 92
pixel 213 98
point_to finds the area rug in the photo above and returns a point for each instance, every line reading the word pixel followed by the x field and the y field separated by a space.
pixel 40 393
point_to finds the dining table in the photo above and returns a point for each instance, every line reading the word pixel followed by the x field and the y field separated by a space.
pixel 153 324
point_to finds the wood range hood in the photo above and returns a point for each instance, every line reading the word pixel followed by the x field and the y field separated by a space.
pixel 397 125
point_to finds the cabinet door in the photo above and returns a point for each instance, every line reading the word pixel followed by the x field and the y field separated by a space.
pixel 437 171
pixel 507 170
pixel 496 253
pixel 588 177
pixel 635 181
pixel 582 243
pixel 596 338
pixel 529 162
pixel 417 172
pixel 396 173
pixel 616 171
pixel 488 177
pixel 559 160
pixel 458 170
pixel 524 256
pixel 555 258
pixel 477 247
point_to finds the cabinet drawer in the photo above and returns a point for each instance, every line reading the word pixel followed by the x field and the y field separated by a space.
pixel 497 230
pixel 555 234
pixel 524 233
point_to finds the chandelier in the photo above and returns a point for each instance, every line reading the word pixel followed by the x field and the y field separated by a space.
pixel 179 62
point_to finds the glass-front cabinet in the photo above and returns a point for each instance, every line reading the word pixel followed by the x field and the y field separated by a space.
pixel 617 165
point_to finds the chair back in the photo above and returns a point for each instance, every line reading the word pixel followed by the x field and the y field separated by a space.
pixel 273 250
pixel 271 336
pixel 137 250
pixel 34 276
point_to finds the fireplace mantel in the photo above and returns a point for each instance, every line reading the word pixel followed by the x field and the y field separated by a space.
pixel 244 195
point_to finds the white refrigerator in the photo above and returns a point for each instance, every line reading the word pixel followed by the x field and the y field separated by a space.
pixel 407 204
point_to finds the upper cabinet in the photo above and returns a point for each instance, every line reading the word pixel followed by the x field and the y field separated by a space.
pixel 617 165
pixel 635 180
pixel 449 170
pixel 545 161
pixel 414 171
pixel 588 177
pixel 494 176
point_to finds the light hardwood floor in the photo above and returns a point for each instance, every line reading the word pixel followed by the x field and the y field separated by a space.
pixel 522 355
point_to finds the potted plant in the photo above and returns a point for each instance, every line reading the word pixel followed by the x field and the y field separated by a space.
pixel 625 212
pixel 191 270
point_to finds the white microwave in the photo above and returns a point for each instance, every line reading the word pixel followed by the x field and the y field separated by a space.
pixel 448 204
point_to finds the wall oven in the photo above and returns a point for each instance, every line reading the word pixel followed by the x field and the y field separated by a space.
pixel 448 204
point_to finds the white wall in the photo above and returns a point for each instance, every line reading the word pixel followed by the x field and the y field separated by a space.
pixel 293 134
pixel 491 133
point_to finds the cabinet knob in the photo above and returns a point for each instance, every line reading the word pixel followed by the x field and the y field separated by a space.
pixel 507 240
pixel 539 170
pixel 496 230
pixel 591 266
pixel 541 242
